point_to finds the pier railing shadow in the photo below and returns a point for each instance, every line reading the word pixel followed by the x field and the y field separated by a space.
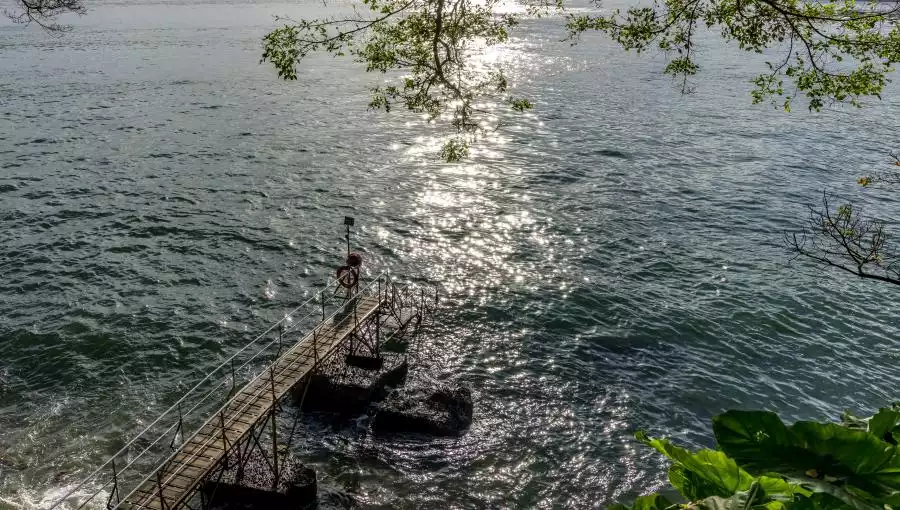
pixel 136 462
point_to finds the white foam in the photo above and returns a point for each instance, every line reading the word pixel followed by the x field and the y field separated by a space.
pixel 31 500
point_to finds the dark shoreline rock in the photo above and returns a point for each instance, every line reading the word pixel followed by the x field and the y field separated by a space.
pixel 441 412
pixel 350 396
pixel 251 488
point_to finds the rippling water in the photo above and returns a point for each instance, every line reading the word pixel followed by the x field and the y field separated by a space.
pixel 611 261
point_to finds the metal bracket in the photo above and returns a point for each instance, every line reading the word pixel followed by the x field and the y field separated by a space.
pixel 178 428
pixel 115 489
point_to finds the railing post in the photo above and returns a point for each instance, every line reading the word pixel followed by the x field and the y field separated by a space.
pixel 280 339
pixel 224 438
pixel 315 349
pixel 162 500
pixel 239 475
pixel 233 379
pixel 272 384
pixel 322 299
pixel 378 333
pixel 115 489
pixel 274 450
pixel 274 429
pixel 179 428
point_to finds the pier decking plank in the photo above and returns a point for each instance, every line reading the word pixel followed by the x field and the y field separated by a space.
pixel 181 475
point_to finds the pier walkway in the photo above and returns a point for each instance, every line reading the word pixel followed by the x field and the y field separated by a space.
pixel 177 479
pixel 166 465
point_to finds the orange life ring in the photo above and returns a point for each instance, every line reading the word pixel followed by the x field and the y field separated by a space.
pixel 347 276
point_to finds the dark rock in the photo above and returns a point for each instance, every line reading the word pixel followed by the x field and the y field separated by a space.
pixel 249 485
pixel 391 379
pixel 442 412
pixel 349 394
pixel 364 362
pixel 326 395
pixel 303 487
pixel 227 496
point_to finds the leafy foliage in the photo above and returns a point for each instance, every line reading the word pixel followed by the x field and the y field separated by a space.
pixel 845 239
pixel 832 51
pixel 430 46
pixel 762 463
pixel 890 177
pixel 43 12
pixel 884 424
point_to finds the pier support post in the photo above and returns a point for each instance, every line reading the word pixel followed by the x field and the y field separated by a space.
pixel 162 500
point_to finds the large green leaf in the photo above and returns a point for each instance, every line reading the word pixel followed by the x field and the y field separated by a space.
pixel 780 489
pixel 759 442
pixel 820 501
pixel 864 465
pixel 694 486
pixel 702 474
pixel 855 460
pixel 651 502
pixel 829 495
pixel 886 424
pixel 842 451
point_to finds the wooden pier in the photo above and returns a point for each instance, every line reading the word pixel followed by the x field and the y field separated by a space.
pixel 196 440
pixel 181 475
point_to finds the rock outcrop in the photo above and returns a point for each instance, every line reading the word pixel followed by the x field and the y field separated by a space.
pixel 250 486
pixel 350 395
pixel 441 412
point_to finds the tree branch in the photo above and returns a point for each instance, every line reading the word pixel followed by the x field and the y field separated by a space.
pixel 845 234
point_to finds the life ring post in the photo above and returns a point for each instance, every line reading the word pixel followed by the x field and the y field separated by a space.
pixel 348 274
pixel 348 221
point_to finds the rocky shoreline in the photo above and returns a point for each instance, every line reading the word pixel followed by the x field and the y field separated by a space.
pixel 373 387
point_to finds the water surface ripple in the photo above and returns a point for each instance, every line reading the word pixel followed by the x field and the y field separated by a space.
pixel 610 261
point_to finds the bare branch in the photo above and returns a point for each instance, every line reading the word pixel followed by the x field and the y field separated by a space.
pixel 44 12
pixel 844 239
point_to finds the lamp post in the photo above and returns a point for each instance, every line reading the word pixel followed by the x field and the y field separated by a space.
pixel 348 221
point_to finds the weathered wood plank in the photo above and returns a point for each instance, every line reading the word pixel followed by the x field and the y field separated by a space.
pixel 245 409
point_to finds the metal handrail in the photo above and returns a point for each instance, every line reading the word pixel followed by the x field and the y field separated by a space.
pixel 320 294
pixel 240 410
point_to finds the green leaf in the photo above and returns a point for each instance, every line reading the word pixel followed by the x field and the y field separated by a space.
pixel 780 489
pixel 829 495
pixel 820 501
pixel 715 503
pixel 693 486
pixel 886 424
pixel 702 474
pixel 855 461
pixel 651 502
pixel 759 441
pixel 848 419
pixel 844 451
